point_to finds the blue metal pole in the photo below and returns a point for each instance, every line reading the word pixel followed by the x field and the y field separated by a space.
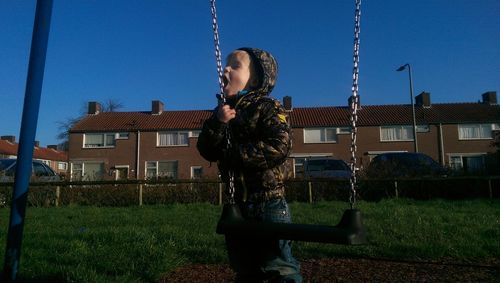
pixel 27 137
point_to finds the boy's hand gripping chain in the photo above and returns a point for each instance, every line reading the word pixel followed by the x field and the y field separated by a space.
pixel 218 58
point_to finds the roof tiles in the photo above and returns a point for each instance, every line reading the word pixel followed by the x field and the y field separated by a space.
pixel 9 148
pixel 370 115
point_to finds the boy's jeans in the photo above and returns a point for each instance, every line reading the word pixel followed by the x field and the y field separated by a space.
pixel 257 260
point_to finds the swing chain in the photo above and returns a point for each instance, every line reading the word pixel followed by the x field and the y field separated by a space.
pixel 218 58
pixel 354 105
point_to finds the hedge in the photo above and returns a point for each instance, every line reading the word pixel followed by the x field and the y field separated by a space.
pixel 133 192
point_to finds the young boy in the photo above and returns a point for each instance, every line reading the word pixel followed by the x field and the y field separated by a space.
pixel 260 143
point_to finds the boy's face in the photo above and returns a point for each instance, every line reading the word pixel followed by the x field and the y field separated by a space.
pixel 238 73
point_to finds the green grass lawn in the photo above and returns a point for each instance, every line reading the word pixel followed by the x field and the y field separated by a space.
pixel 139 244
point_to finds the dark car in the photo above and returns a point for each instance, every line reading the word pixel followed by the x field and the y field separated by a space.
pixel 40 172
pixel 404 165
pixel 326 168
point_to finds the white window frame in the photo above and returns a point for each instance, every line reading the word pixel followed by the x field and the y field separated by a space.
pixel 121 167
pixel 196 168
pixel 105 143
pixel 152 165
pixel 82 173
pixel 323 135
pixel 122 136
pixel 73 171
pixel 194 133
pixel 156 168
pixel 176 141
pixel 400 128
pixel 62 165
pixel 343 130
pixel 465 155
pixel 482 128
pixel 299 163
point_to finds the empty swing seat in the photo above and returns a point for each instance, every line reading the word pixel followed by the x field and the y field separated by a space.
pixel 349 231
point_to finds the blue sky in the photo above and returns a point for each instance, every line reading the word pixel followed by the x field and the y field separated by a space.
pixel 138 51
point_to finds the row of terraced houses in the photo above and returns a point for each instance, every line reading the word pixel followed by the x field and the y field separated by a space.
pixel 50 155
pixel 162 144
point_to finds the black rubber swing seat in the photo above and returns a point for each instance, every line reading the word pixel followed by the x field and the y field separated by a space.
pixel 349 231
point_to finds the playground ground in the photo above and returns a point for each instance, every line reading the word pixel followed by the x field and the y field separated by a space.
pixel 357 270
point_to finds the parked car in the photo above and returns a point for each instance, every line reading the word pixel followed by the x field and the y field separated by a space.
pixel 326 167
pixel 40 172
pixel 404 165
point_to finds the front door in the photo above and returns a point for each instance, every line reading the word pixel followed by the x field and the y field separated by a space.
pixel 121 173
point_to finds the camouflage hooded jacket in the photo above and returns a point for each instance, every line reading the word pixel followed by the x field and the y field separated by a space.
pixel 260 136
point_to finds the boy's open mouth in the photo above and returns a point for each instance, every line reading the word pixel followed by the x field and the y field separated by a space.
pixel 225 80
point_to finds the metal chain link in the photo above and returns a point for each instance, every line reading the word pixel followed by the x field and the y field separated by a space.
pixel 218 58
pixel 354 105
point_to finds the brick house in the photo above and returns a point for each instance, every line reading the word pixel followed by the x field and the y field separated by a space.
pixel 159 143
pixel 56 159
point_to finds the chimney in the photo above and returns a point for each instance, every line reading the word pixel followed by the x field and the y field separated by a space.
pixel 490 98
pixel 37 143
pixel 11 139
pixel 52 146
pixel 358 102
pixel 157 107
pixel 423 99
pixel 94 108
pixel 287 103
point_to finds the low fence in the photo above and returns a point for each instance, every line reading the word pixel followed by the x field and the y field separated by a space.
pixel 139 192
pixel 425 189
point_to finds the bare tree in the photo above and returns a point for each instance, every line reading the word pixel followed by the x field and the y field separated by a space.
pixel 111 105
pixel 65 126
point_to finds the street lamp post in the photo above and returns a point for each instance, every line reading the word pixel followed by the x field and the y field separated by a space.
pixel 402 68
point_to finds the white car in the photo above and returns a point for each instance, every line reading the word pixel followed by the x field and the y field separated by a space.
pixel 40 171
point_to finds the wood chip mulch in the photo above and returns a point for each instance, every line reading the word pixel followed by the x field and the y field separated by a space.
pixel 354 270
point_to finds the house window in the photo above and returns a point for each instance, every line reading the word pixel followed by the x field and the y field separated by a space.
pixel 456 163
pixel 151 170
pixel 470 163
pixel 194 134
pixel 122 136
pixel 62 166
pixel 76 171
pixel 173 138
pixel 320 135
pixel 87 171
pixel 396 133
pixel 196 172
pixel 343 130
pixel 475 131
pixel 161 169
pixel 299 166
pixel 93 171
pixel 99 140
